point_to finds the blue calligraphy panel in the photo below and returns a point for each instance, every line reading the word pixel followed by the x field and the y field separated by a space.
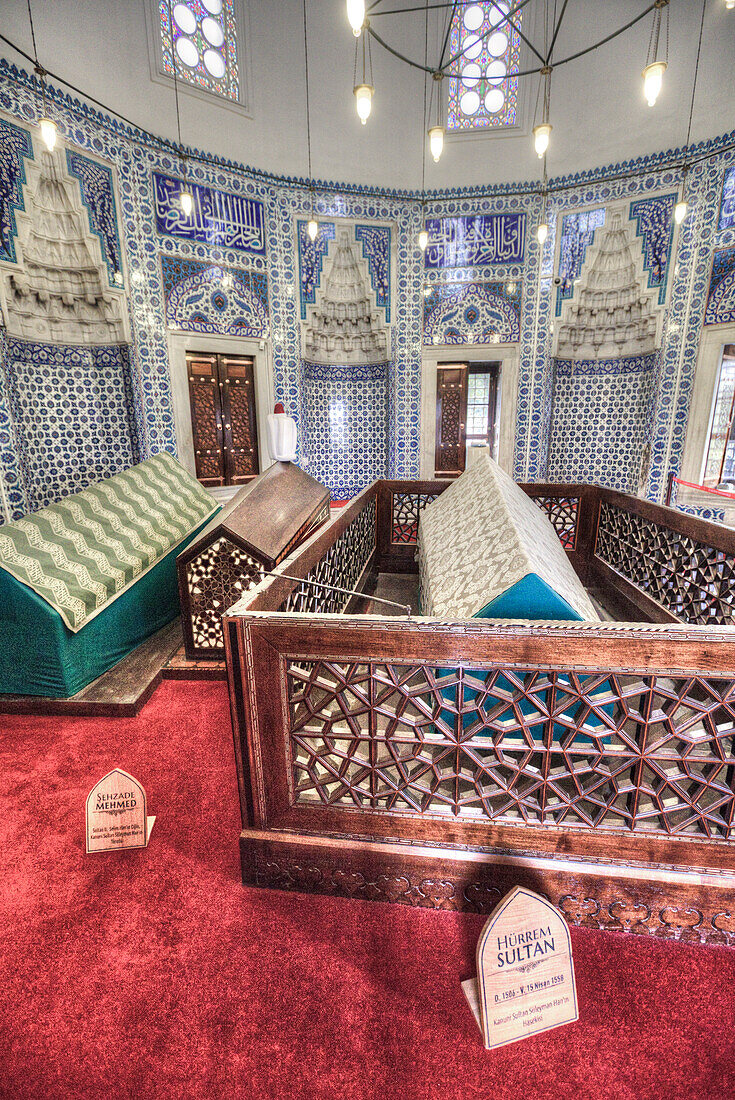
pixel 476 240
pixel 727 207
pixel 218 218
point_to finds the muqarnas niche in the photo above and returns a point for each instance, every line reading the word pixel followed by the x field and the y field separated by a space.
pixel 604 371
pixel 345 373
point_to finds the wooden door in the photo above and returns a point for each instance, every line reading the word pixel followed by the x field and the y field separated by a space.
pixel 451 405
pixel 222 399
pixel 237 384
pixel 206 417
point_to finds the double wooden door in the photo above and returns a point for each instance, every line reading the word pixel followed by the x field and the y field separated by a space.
pixel 222 400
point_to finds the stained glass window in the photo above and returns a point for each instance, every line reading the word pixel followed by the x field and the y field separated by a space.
pixel 199 37
pixel 487 51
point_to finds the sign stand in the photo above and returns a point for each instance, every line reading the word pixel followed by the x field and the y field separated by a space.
pixel 116 814
pixel 525 974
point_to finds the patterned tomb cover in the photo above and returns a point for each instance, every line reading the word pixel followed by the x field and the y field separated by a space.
pixel 481 537
pixel 83 552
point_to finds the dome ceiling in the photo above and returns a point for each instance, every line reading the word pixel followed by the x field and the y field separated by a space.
pixel 598 111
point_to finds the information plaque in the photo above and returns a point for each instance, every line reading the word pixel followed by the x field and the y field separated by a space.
pixel 117 814
pixel 525 974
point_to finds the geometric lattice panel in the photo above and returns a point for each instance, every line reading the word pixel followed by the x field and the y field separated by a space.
pixel 562 512
pixel 341 567
pixel 695 581
pixel 216 579
pixel 406 509
pixel 608 750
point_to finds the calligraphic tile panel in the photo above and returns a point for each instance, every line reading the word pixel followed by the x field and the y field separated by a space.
pixel 475 240
pixel 218 217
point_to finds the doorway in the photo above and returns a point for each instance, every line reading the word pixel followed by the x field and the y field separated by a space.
pixel 466 415
pixel 223 417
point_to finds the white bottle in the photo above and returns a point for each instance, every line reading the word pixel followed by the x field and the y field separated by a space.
pixel 281 435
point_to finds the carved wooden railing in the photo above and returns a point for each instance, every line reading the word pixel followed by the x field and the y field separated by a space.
pixel 374 754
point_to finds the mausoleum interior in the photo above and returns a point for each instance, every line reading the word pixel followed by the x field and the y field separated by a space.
pixel 367 526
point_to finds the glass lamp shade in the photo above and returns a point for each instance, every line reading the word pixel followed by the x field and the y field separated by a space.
pixel 730 4
pixel 436 141
pixel 542 232
pixel 364 101
pixel 356 15
pixel 680 211
pixel 510 288
pixel 653 78
pixel 312 229
pixel 187 202
pixel 49 133
pixel 423 240
pixel 541 135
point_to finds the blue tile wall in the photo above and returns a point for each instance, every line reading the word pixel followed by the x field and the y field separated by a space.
pixel 599 420
pixel 721 295
pixel 15 146
pixel 311 260
pixel 577 233
pixel 683 278
pixel 376 249
pixel 201 297
pixel 71 410
pixel 346 412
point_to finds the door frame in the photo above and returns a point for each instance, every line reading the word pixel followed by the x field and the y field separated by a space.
pixel 179 343
pixel 508 356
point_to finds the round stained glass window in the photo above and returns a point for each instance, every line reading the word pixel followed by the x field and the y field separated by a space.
pixel 497 14
pixel 494 101
pixel 215 63
pixel 187 51
pixel 497 44
pixel 469 103
pixel 470 75
pixel 212 31
pixel 214 7
pixel 473 17
pixel 471 47
pixel 497 72
pixel 184 18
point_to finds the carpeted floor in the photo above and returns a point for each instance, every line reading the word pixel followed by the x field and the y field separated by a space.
pixel 156 974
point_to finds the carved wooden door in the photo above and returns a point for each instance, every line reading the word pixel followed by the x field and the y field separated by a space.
pixel 222 400
pixel 451 406
pixel 206 417
pixel 237 386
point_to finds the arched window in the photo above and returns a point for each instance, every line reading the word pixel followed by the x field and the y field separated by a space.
pixel 199 38
pixel 487 49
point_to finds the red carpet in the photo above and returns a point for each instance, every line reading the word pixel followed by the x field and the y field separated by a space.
pixel 156 974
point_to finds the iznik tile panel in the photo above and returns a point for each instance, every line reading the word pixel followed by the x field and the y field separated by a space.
pixel 311 260
pixel 721 298
pixel 218 218
pixel 345 425
pixel 71 411
pixel 206 298
pixel 376 246
pixel 472 313
pixel 98 195
pixel 475 240
pixel 600 420
pixel 727 206
pixel 655 224
pixel 15 144
pixel 577 233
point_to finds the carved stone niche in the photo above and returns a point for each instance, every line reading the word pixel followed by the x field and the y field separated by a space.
pixel 58 291
pixel 343 326
pixel 612 313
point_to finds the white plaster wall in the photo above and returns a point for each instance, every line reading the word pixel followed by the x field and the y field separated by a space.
pixel 598 111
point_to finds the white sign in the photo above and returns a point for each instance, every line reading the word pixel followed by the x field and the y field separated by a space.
pixel 117 814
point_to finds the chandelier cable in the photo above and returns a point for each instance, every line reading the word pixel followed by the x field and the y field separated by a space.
pixel 306 72
pixel 694 81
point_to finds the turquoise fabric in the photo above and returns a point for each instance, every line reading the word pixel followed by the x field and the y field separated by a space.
pixel 529 598
pixel 39 655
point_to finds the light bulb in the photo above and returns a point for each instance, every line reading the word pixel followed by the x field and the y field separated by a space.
pixel 427 291
pixel 680 210
pixel 364 101
pixel 49 133
pixel 356 15
pixel 436 141
pixel 542 232
pixel 312 229
pixel 653 78
pixel 187 202
pixel 510 288
pixel 541 135
pixel 730 4
pixel 423 240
